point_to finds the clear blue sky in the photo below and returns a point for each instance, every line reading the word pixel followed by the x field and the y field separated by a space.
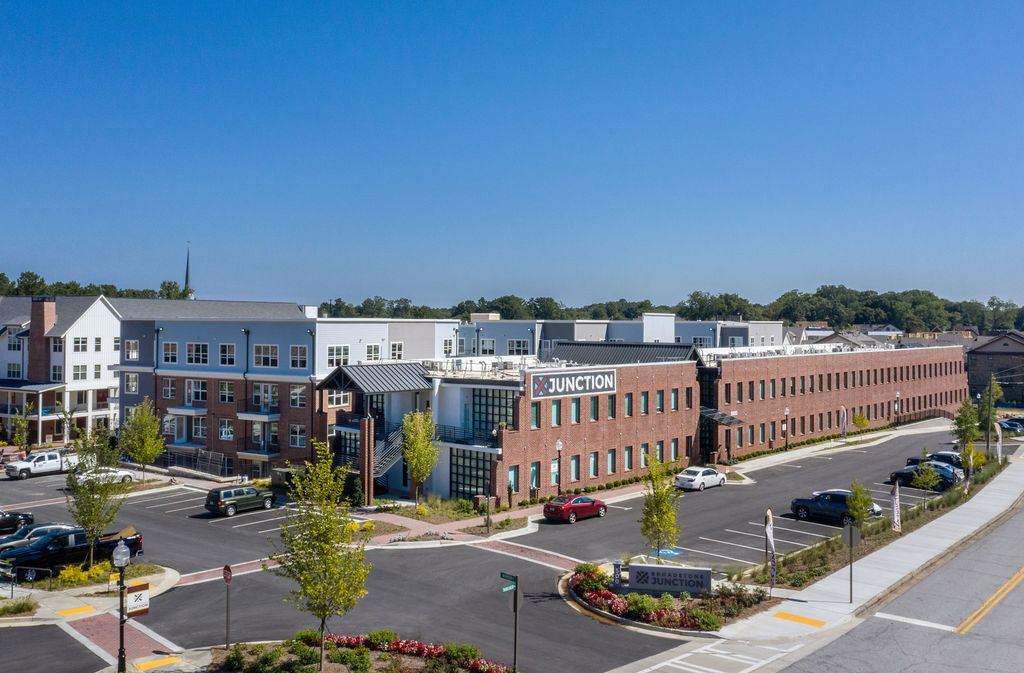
pixel 581 150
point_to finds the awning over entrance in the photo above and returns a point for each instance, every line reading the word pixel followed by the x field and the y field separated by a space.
pixel 721 417
pixel 19 386
pixel 371 379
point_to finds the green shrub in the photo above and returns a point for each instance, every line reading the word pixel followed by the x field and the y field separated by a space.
pixel 357 660
pixel 640 605
pixel 464 507
pixel 379 639
pixel 440 665
pixel 235 659
pixel 16 606
pixel 666 602
pixel 706 621
pixel 310 655
pixel 257 649
pixel 460 653
pixel 100 569
pixel 72 576
pixel 308 636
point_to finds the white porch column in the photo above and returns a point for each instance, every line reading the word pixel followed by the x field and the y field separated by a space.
pixel 39 418
pixel 90 395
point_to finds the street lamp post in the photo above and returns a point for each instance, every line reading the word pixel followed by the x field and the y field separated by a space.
pixel 120 560
pixel 785 428
pixel 558 448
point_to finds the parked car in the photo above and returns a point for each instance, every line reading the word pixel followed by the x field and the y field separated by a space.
pixel 104 474
pixel 830 504
pixel 69 547
pixel 572 507
pixel 948 475
pixel 1011 426
pixel 699 478
pixel 26 535
pixel 44 462
pixel 950 458
pixel 12 521
pixel 228 500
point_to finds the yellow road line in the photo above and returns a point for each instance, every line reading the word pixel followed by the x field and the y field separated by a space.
pixel 976 616
pixel 158 662
pixel 75 611
pixel 800 620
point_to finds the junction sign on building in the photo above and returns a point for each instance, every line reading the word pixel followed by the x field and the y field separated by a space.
pixel 564 384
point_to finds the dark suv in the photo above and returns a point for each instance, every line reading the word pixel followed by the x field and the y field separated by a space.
pixel 830 504
pixel 230 499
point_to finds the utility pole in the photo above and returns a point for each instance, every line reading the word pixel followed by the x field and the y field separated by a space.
pixel 988 425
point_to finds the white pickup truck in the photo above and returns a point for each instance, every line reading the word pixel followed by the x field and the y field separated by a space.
pixel 43 462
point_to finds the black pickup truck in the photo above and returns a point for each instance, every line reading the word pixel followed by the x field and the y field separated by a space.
pixel 69 547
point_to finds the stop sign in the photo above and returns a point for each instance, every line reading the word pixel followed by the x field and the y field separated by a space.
pixel 227 574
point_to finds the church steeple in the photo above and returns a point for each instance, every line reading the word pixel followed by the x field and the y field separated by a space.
pixel 189 293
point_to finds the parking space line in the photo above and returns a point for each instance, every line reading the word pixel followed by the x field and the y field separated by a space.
pixel 175 494
pixel 902 494
pixel 256 523
pixel 237 516
pixel 904 489
pixel 182 509
pixel 791 530
pixel 777 539
pixel 164 504
pixel 707 553
pixel 731 544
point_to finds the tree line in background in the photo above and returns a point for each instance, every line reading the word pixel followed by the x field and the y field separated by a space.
pixel 837 305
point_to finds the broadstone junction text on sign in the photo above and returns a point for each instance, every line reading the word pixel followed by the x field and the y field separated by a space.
pixel 659 579
pixel 573 383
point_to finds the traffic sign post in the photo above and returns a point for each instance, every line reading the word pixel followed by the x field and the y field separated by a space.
pixel 227 614
pixel 514 604
pixel 851 536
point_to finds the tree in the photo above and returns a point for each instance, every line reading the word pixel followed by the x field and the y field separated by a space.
pixel 973 458
pixel 418 447
pixel 860 503
pixel 140 435
pixel 659 525
pixel 926 477
pixel 92 500
pixel 318 549
pixel 986 409
pixel 861 421
pixel 19 426
pixel 965 424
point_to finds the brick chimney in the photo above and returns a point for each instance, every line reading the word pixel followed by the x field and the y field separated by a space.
pixel 44 316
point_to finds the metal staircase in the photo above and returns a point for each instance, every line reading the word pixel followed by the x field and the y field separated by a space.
pixel 387 451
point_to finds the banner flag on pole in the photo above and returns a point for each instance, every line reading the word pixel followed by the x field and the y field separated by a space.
pixel 970 470
pixel 896 521
pixel 842 420
pixel 769 535
pixel 999 443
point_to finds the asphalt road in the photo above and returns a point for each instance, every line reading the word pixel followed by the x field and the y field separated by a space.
pixel 45 648
pixel 915 632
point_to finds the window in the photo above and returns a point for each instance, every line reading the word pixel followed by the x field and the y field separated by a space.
pixel 803 389
pixel 226 393
pixel 298 357
pixel 486 346
pixel 226 428
pixel 199 426
pixel 97 371
pixel 534 415
pixel 57 345
pixel 397 348
pixel 594 404
pixel 462 345
pixel 195 391
pixel 197 354
pixel 627 456
pixel 169 388
pixel 518 347
pixel 265 355
pixel 13 342
pixel 771 430
pixel 771 389
pixel 373 352
pixel 169 423
pixel 760 389
pixel 739 391
pixel 728 393
pixel 81 344
pixel 611 406
pixel 117 344
pixel 297 396
pixel 97 344
pixel 611 461
pixel 643 455
pixel 170 352
pixel 227 355
pixel 702 341
pixel 760 435
pixel 513 478
pixel 675 449
pixel 675 399
pixel 131 349
pixel 689 397
pixel 574 468
pixel 629 405
pixel 750 435
pixel 554 472
pixel 264 395
pixel 739 438
pixel 337 398
pixel 79 373
pixel 574 410
pixel 131 382
pixel 297 436
pixel 556 412
pixel 57 373
pixel 447 346
pixel 337 356
pixel 535 475
pixel 659 450
pixel 14 370
pixel 644 403
pixel 735 341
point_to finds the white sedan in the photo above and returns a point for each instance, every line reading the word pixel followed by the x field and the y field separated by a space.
pixel 105 474
pixel 699 478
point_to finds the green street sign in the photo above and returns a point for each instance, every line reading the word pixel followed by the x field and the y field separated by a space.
pixel 510 578
pixel 510 587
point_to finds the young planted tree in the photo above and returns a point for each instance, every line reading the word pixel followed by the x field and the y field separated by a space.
pixel 318 549
pixel 659 525
pixel 93 498
pixel 861 421
pixel 418 447
pixel 70 431
pixel 19 426
pixel 986 410
pixel 860 503
pixel 925 478
pixel 140 435
pixel 965 424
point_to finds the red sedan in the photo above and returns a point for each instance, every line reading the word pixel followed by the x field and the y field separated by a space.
pixel 572 507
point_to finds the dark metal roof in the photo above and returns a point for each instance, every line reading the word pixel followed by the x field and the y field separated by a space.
pixel 204 309
pixel 619 353
pixel 372 379
pixel 721 417
pixel 20 385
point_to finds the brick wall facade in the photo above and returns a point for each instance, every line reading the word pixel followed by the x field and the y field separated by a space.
pixel 44 316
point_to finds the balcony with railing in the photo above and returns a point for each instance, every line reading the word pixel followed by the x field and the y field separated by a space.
pixel 260 413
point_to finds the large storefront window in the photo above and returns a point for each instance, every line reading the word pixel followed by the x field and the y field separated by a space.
pixel 491 407
pixel 470 473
